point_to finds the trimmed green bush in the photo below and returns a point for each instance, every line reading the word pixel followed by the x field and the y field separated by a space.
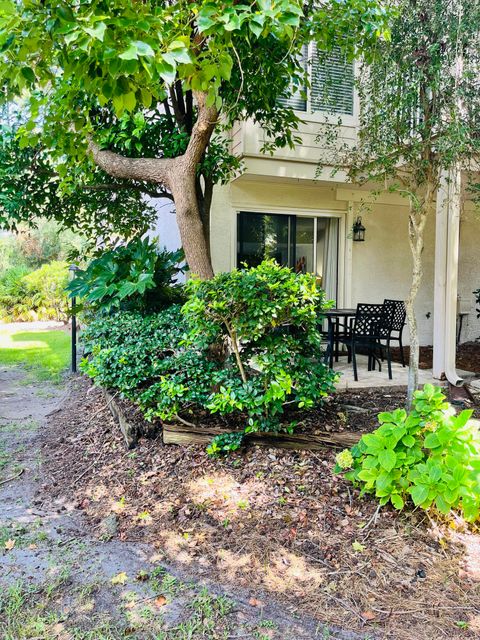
pixel 429 457
pixel 245 342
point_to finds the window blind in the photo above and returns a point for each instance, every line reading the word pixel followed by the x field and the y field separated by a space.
pixel 296 97
pixel 332 82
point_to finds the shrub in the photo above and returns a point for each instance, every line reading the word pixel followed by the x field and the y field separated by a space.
pixel 13 295
pixel 264 322
pixel 134 277
pixel 38 295
pixel 430 457
pixel 46 288
pixel 130 352
pixel 245 342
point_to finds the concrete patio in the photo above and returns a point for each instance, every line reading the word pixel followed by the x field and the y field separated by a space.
pixel 378 379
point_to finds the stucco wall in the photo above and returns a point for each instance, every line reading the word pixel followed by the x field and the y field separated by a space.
pixel 165 228
pixel 380 267
pixel 469 271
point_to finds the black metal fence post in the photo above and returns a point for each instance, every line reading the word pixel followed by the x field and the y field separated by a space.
pixel 73 269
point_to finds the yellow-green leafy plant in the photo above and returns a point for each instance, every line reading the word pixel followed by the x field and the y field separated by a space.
pixel 429 457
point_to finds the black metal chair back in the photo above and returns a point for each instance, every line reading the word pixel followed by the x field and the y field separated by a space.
pixel 367 320
pixel 399 313
pixel 387 319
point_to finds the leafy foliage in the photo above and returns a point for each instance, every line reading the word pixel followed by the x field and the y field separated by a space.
pixel 420 105
pixel 430 456
pixel 267 320
pixel 31 186
pixel 184 361
pixel 35 295
pixel 136 276
pixel 225 443
pixel 128 74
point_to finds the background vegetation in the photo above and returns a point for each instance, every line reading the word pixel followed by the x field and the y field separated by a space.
pixel 34 272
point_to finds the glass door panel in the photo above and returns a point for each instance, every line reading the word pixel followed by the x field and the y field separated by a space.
pixel 263 236
pixel 304 245
pixel 327 255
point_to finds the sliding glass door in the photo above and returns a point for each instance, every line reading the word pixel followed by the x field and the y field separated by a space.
pixel 306 244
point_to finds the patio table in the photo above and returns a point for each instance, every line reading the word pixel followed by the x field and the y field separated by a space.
pixel 333 317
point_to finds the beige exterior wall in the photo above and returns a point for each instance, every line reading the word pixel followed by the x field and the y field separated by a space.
pixel 369 271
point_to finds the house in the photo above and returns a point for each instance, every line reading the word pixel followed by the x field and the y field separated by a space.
pixel 279 206
pixel 282 207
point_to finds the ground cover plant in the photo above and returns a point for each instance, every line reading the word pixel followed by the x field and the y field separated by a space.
pixel 429 457
pixel 44 353
pixel 246 342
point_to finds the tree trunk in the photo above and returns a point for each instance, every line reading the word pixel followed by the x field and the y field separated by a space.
pixel 178 175
pixel 192 232
pixel 413 365
pixel 416 227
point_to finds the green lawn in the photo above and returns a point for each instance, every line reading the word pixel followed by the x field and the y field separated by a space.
pixel 45 353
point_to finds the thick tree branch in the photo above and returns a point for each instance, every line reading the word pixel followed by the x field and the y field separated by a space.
pixel 156 170
pixel 153 193
pixel 202 131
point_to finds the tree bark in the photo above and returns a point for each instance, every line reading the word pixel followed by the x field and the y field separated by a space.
pixel 416 226
pixel 178 175
pixel 192 232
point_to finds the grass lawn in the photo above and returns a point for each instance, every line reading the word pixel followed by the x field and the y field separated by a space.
pixel 45 353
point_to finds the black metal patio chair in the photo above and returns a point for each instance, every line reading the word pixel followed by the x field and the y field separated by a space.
pixel 363 335
pixel 396 312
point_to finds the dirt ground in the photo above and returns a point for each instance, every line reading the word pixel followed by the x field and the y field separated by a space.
pixel 276 526
pixel 61 578
pixel 468 356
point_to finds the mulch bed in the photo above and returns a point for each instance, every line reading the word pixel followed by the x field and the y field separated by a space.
pixel 468 356
pixel 276 522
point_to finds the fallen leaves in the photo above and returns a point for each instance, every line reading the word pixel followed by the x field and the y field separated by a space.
pixel 296 510
pixel 9 544
pixel 368 615
pixel 253 602
pixel 120 578
pixel 160 601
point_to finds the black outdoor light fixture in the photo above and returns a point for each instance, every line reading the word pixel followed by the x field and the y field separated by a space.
pixel 72 269
pixel 358 230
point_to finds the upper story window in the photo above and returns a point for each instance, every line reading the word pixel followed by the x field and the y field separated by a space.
pixel 331 83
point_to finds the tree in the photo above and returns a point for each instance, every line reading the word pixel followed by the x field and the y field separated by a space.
pixel 170 75
pixel 31 189
pixel 420 118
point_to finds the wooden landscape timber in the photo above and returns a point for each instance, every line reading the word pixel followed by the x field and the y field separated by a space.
pixel 184 435
pixel 129 432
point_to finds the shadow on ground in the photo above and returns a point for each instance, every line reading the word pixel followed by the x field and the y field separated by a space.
pixel 58 582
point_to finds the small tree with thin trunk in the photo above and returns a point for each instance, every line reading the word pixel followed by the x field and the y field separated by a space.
pixel 143 87
pixel 420 118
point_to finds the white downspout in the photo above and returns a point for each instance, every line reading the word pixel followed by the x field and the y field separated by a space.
pixel 453 241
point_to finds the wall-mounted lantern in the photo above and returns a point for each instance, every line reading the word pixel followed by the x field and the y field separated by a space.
pixel 358 230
